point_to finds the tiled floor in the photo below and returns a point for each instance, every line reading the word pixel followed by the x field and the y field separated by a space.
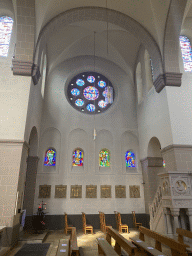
pixel 87 242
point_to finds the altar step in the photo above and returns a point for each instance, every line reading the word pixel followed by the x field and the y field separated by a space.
pixel 31 237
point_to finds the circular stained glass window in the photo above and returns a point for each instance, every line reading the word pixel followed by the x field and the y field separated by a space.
pixel 75 92
pixel 80 82
pixel 79 102
pixel 90 93
pixel 102 84
pixel 90 107
pixel 91 79
pixel 102 104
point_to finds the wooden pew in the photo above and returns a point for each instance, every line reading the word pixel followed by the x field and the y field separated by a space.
pixel 104 248
pixel 85 226
pixel 135 224
pixel 176 247
pixel 181 233
pixel 120 242
pixel 74 247
pixel 64 248
pixel 103 222
pixel 67 227
pixel 120 226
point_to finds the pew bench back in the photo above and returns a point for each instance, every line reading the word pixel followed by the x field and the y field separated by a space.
pixel 121 242
pixel 176 247
pixel 104 248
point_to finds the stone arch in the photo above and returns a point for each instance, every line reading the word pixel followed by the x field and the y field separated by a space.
pixel 154 148
pixel 151 167
pixel 31 173
pixel 114 17
pixel 33 142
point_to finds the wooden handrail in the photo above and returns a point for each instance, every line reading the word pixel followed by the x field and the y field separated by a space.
pixel 181 233
pixel 120 240
pixel 174 245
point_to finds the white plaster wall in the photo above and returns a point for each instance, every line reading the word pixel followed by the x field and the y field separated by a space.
pixel 9 174
pixel 14 90
pixel 76 130
pixel 180 107
pixel 153 115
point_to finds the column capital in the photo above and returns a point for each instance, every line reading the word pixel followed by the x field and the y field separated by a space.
pixel 175 212
pixel 189 212
pixel 166 211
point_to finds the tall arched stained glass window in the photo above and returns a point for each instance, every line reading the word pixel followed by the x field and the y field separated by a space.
pixel 50 157
pixel 78 157
pixel 6 25
pixel 130 159
pixel 186 53
pixel 104 158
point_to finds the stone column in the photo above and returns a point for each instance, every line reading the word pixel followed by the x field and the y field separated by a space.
pixel 175 213
pixel 189 213
pixel 168 220
pixel 183 220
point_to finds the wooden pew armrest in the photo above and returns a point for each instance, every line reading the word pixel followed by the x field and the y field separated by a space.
pixel 104 246
pixel 146 247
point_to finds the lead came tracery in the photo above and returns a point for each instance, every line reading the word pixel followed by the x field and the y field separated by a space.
pixel 90 92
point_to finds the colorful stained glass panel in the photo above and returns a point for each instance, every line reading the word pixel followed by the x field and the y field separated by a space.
pixel 77 158
pixel 79 102
pixel 102 104
pixel 164 163
pixel 75 92
pixel 91 93
pixel 101 84
pixel 130 159
pixel 91 79
pixel 50 157
pixel 6 24
pixel 104 158
pixel 108 94
pixel 80 82
pixel 90 107
pixel 186 53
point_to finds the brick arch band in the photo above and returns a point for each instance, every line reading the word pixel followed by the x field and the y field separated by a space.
pixel 114 17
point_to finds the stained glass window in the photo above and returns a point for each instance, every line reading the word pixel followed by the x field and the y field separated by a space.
pixel 77 157
pixel 102 104
pixel 104 158
pixel 50 157
pixel 91 93
pixel 91 79
pixel 130 159
pixel 164 163
pixel 186 53
pixel 91 107
pixel 80 82
pixel 108 94
pixel 6 25
pixel 102 84
pixel 75 92
pixel 79 102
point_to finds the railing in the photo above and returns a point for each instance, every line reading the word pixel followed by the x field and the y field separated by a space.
pixel 155 206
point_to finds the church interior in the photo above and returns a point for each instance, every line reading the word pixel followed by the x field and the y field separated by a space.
pixel 96 103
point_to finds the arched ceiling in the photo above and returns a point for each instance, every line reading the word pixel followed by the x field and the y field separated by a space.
pixel 151 14
pixel 79 41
